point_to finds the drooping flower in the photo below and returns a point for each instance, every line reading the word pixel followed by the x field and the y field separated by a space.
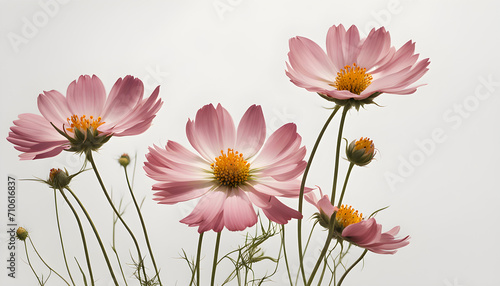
pixel 85 118
pixel 350 225
pixel 353 70
pixel 229 173
pixel 360 152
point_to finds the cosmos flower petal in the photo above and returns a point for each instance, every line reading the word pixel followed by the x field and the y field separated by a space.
pixel 342 47
pixel 208 213
pixel 125 95
pixel 251 132
pixel 238 211
pixel 309 59
pixel 86 96
pixel 53 106
pixel 273 208
pixel 374 48
pixel 368 234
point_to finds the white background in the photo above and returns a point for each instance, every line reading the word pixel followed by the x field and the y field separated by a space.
pixel 446 195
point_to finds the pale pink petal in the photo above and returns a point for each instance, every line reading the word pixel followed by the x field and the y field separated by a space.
pixel 251 132
pixel 123 97
pixel 375 48
pixel 238 211
pixel 273 208
pixel 280 144
pixel 205 133
pixel 368 234
pixel 53 106
pixel 208 212
pixel 86 96
pixel 139 119
pixel 342 47
pixel 309 59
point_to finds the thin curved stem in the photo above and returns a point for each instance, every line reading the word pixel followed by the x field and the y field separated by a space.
pixel 351 267
pixel 345 184
pixel 302 186
pixel 101 245
pixel 50 268
pixel 216 253
pixel 94 167
pixel 337 153
pixel 143 225
pixel 284 252
pixel 29 263
pixel 82 234
pixel 320 259
pixel 197 265
pixel 113 246
pixel 61 238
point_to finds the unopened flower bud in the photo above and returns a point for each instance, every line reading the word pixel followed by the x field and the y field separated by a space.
pixel 59 179
pixel 124 160
pixel 360 152
pixel 21 233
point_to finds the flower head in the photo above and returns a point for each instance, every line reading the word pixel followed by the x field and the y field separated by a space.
pixel 348 224
pixel 354 71
pixel 361 152
pixel 234 170
pixel 21 233
pixel 124 160
pixel 85 118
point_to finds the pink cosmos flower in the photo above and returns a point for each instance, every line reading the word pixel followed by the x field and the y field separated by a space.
pixel 354 68
pixel 233 170
pixel 85 118
pixel 350 226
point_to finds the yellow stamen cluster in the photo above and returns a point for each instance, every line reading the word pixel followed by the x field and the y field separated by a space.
pixel 83 123
pixel 365 143
pixel 231 169
pixel 353 79
pixel 346 215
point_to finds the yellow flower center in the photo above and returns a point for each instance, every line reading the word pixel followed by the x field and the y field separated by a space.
pixel 231 169
pixel 364 143
pixel 353 79
pixel 346 215
pixel 83 123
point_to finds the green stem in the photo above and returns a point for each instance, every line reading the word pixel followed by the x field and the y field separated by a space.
pixel 61 238
pixel 143 225
pixel 91 160
pixel 82 234
pixel 29 263
pixel 320 259
pixel 103 250
pixel 337 153
pixel 216 253
pixel 284 252
pixel 345 184
pixel 322 272
pixel 302 186
pixel 39 256
pixel 352 266
pixel 113 247
pixel 197 265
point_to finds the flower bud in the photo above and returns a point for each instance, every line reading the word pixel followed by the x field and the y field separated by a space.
pixel 21 233
pixel 361 152
pixel 59 179
pixel 124 160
